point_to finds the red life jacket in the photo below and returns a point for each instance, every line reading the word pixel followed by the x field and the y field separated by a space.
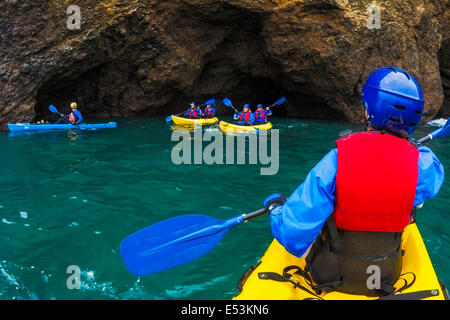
pixel 260 115
pixel 375 183
pixel 208 112
pixel 72 117
pixel 193 113
pixel 247 116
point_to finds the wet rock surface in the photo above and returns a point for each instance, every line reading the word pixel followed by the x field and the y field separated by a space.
pixel 136 58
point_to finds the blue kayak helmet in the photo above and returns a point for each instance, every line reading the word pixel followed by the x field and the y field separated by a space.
pixel 192 103
pixel 260 106
pixel 246 106
pixel 393 100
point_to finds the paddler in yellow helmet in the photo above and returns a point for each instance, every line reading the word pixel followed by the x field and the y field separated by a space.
pixel 75 116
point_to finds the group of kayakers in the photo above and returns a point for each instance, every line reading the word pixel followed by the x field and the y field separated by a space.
pixel 245 117
pixel 195 112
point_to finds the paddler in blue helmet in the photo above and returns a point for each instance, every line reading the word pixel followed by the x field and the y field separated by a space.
pixel 245 117
pixel 209 111
pixel 261 114
pixel 193 112
pixel 353 206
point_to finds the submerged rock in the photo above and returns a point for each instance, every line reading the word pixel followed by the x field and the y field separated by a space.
pixel 132 58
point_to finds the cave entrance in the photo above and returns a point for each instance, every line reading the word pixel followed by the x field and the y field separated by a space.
pixel 82 89
pixel 238 67
pixel 256 91
pixel 301 101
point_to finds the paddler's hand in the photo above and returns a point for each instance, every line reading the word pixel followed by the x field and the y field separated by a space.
pixel 273 201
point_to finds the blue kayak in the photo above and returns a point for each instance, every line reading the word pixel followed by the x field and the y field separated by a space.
pixel 24 127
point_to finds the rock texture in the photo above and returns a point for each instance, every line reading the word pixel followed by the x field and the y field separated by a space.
pixel 444 61
pixel 133 58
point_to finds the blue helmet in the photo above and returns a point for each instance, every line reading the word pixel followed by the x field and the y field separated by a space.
pixel 394 100
pixel 246 106
pixel 192 103
pixel 260 106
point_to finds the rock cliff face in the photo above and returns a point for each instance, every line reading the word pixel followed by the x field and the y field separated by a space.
pixel 444 61
pixel 132 58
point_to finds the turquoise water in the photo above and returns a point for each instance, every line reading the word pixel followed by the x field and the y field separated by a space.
pixel 70 198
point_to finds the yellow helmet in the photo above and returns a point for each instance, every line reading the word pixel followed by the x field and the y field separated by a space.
pixel 73 105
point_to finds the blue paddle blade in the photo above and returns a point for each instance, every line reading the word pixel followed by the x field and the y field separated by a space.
pixel 280 101
pixel 171 243
pixel 53 109
pixel 443 132
pixel 169 119
pixel 227 102
pixel 210 102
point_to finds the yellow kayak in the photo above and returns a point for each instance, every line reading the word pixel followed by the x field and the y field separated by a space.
pixel 225 126
pixel 192 122
pixel 415 260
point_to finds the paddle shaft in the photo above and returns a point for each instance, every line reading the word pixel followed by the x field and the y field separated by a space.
pixel 442 133
pixel 255 214
pixel 425 139
pixel 212 230
pixel 53 109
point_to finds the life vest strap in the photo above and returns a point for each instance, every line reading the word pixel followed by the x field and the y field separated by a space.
pixel 336 246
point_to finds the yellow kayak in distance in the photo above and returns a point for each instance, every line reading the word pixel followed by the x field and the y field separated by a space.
pixel 415 260
pixel 232 128
pixel 179 121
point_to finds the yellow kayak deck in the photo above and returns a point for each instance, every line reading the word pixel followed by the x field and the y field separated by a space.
pixel 225 126
pixel 192 122
pixel 276 258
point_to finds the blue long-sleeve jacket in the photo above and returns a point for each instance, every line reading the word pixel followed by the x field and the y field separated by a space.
pixel 77 115
pixel 299 221
pixel 251 118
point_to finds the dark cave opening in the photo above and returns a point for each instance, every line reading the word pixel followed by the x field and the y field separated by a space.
pixel 244 88
pixel 239 68
pixel 256 90
pixel 81 89
pixel 60 98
